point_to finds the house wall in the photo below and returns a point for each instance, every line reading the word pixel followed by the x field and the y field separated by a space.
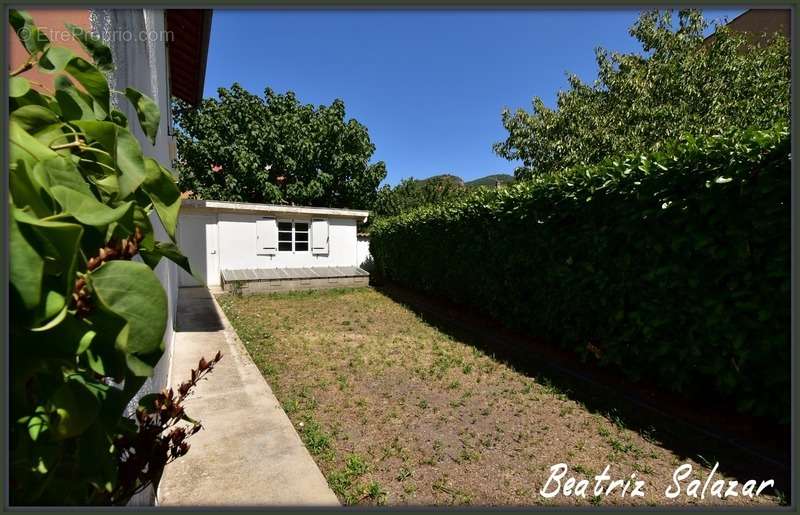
pixel 141 63
pixel 236 244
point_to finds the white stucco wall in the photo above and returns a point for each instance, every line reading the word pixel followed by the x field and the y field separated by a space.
pixel 142 64
pixel 236 244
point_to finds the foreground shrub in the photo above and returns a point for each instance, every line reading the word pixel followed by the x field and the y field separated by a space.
pixel 87 320
pixel 672 265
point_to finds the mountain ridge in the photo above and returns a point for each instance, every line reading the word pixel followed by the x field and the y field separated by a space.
pixel 488 180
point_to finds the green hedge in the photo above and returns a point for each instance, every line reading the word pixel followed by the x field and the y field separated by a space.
pixel 673 265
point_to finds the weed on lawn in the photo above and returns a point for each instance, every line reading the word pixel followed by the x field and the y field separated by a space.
pixel 396 411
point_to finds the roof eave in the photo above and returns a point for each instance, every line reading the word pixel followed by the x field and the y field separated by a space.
pixel 244 207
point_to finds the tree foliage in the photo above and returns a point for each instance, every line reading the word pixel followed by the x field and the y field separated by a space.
pixel 242 147
pixel 679 83
pixel 87 321
pixel 672 265
pixel 412 193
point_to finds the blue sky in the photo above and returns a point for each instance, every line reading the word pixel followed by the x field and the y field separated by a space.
pixel 429 85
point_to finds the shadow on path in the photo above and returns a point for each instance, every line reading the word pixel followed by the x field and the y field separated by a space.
pixel 196 311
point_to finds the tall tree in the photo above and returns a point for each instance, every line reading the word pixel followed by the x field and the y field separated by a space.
pixel 681 82
pixel 273 149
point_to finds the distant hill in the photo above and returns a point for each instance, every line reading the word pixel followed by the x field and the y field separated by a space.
pixel 446 177
pixel 490 180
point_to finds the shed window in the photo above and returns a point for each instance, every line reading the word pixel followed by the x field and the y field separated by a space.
pixel 292 236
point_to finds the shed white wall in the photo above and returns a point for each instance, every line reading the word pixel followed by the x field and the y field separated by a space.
pixel 236 244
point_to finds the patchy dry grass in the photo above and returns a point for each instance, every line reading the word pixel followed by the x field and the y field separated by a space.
pixel 398 412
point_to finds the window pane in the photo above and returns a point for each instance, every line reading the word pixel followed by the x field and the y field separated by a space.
pixel 301 236
pixel 284 245
pixel 301 245
pixel 284 226
pixel 300 226
pixel 284 236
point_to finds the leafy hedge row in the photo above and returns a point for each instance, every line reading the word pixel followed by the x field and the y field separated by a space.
pixel 674 265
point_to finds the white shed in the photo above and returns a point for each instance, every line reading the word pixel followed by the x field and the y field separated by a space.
pixel 270 247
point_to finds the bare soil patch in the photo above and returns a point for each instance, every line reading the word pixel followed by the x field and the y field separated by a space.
pixel 397 411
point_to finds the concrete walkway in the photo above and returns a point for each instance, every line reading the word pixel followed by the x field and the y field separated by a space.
pixel 248 453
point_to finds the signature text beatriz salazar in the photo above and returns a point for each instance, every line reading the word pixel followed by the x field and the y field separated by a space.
pixel 560 483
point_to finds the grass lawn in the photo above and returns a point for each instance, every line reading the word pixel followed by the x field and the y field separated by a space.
pixel 396 411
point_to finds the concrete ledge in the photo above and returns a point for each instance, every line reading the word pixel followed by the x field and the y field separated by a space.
pixel 248 453
pixel 284 285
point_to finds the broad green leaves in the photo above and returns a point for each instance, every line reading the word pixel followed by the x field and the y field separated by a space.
pixel 131 291
pixel 99 52
pixel 17 87
pixel 93 81
pixel 147 112
pixel 74 407
pixel 124 153
pixel 33 118
pixel 160 187
pixel 86 208
pixel 81 195
pixel 25 269
pixel 170 251
pixel 29 34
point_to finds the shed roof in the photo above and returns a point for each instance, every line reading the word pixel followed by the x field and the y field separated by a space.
pixel 244 207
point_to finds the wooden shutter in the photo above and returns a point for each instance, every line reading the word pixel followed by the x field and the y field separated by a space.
pixel 319 236
pixel 266 236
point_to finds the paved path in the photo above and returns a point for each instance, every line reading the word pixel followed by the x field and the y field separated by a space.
pixel 248 453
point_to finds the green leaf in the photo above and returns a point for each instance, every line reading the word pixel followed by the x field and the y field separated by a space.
pixel 34 118
pixel 93 81
pixel 126 154
pixel 55 311
pixel 94 46
pixel 60 171
pixel 57 243
pixel 132 291
pixel 31 97
pixel 23 146
pixel 76 408
pixel 147 112
pixel 27 192
pixel 28 33
pixel 18 87
pixel 37 423
pixel 26 266
pixel 95 362
pixel 74 104
pixel 86 208
pixel 163 192
pixel 170 251
pixel 119 118
pixel 55 59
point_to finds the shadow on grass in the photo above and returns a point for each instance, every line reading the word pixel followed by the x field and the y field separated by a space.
pixel 705 430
